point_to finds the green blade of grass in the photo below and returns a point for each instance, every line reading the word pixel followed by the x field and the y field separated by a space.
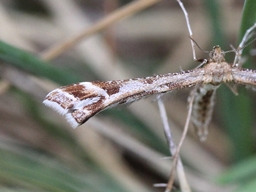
pixel 241 125
pixel 239 172
pixel 32 64
pixel 33 171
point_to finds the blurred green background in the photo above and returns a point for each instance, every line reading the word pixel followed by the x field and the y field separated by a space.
pixel 120 149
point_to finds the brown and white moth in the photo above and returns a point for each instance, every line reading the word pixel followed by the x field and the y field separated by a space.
pixel 78 102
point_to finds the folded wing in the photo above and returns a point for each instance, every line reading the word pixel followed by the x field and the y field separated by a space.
pixel 78 102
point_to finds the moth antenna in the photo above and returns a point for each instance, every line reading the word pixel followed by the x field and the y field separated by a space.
pixel 198 45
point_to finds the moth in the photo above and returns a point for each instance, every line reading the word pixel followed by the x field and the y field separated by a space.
pixel 79 102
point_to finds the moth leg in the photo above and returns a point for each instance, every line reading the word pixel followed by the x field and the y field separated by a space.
pixel 238 58
pixel 189 29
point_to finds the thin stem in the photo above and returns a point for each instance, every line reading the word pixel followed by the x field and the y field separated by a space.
pixel 177 163
pixel 119 14
pixel 239 50
pixel 176 157
pixel 167 130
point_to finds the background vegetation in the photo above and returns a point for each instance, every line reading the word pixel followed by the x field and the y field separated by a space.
pixel 120 149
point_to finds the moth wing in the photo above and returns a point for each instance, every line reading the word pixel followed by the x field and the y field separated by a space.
pixel 202 108
pixel 245 77
pixel 77 102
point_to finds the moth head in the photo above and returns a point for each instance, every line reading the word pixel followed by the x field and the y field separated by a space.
pixel 217 55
